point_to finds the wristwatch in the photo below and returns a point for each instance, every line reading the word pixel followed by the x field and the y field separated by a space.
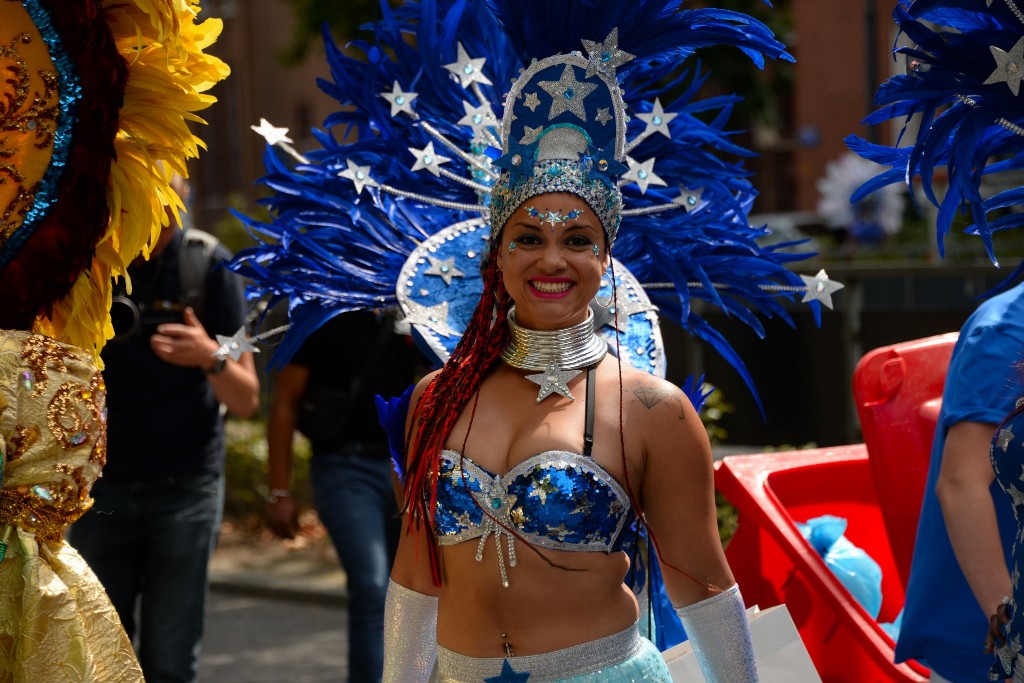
pixel 273 495
pixel 218 366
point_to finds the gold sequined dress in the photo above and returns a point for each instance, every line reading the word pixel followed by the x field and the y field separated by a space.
pixel 56 622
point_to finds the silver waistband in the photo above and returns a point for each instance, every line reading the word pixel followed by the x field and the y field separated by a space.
pixel 543 668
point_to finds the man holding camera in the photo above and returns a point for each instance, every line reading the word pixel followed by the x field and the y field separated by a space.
pixel 157 508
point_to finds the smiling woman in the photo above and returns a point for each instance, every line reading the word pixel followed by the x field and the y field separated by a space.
pixel 555 257
pixel 538 470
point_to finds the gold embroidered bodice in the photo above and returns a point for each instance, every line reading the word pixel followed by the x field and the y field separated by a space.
pixel 56 623
pixel 52 433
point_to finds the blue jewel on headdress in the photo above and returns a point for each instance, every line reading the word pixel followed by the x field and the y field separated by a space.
pixel 518 161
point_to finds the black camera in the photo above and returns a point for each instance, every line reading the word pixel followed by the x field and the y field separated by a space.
pixel 132 319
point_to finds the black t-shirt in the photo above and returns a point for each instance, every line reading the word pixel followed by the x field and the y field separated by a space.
pixel 347 370
pixel 163 419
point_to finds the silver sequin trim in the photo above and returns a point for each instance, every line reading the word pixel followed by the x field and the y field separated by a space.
pixel 544 668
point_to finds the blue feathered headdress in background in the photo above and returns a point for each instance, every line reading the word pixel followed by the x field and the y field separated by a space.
pixel 962 83
pixel 393 207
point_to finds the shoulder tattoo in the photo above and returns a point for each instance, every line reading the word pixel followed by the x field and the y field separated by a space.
pixel 651 396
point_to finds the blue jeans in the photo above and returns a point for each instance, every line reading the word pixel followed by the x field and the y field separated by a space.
pixel 154 539
pixel 355 501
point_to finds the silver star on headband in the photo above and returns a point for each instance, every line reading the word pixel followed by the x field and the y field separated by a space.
pixel 478 118
pixel 530 134
pixel 606 56
pixel 427 158
pixel 603 116
pixel 444 269
pixel 689 199
pixel 1009 66
pixel 532 101
pixel 820 288
pixel 554 380
pixel 467 70
pixel 657 120
pixel 400 100
pixel 272 134
pixel 567 94
pixel 234 346
pixel 433 317
pixel 642 174
pixel 604 311
pixel 360 175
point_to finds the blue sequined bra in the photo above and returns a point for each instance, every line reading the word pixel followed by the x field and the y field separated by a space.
pixel 555 499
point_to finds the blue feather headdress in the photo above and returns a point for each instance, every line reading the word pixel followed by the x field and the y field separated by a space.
pixel 393 208
pixel 963 78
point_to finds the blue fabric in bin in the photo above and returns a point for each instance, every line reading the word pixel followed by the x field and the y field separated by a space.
pixel 854 568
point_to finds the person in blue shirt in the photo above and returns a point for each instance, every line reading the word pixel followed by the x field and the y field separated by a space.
pixel 966 521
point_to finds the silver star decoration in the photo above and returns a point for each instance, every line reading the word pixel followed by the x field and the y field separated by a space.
pixel 606 56
pixel 530 135
pixel 400 101
pixel 567 94
pixel 429 159
pixel 1005 437
pixel 432 317
pixel 531 101
pixel 554 380
pixel 444 269
pixel 1008 653
pixel 552 218
pixel 642 174
pixel 604 312
pixel 1009 66
pixel 657 120
pixel 360 175
pixel 478 118
pixel 272 134
pixel 820 288
pixel 234 346
pixel 603 117
pixel 689 199
pixel 468 70
pixel 1016 495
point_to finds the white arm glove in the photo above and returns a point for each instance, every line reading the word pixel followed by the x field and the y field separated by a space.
pixel 410 635
pixel 720 634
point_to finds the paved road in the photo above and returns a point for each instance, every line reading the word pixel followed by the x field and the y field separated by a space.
pixel 263 640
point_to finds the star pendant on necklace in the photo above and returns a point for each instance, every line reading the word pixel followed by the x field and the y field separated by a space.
pixel 554 380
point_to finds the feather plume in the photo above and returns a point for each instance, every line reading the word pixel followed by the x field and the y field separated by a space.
pixel 969 116
pixel 333 246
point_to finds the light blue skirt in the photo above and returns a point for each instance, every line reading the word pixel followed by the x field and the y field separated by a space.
pixel 624 657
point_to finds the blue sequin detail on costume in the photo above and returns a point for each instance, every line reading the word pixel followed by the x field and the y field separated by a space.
pixel 556 499
pixel 70 92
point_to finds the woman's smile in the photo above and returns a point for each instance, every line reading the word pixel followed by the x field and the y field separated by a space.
pixel 552 270
pixel 551 287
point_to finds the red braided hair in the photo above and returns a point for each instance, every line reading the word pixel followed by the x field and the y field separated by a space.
pixel 448 394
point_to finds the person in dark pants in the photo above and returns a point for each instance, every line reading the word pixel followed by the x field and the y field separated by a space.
pixel 157 509
pixel 327 392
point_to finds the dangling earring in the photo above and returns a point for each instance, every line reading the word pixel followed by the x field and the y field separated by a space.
pixel 597 250
pixel 498 299
pixel 511 246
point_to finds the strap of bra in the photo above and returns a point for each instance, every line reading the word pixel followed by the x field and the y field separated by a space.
pixel 588 433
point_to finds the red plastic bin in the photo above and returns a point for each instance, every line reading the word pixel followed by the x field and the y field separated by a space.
pixel 898 393
pixel 774 564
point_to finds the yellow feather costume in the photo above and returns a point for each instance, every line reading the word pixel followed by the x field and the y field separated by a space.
pixel 56 623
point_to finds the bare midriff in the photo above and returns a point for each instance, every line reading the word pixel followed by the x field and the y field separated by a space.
pixel 577 598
